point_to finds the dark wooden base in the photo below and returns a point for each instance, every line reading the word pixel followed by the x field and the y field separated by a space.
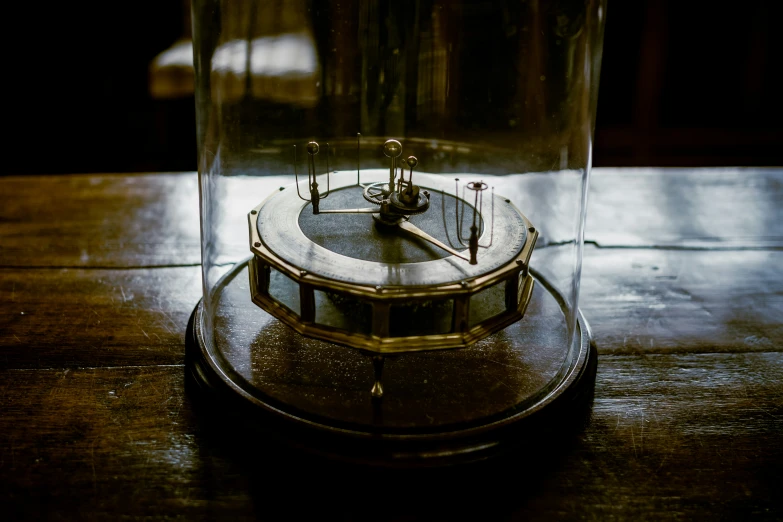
pixel 223 400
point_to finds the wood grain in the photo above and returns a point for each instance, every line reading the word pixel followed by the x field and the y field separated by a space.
pixel 686 208
pixel 98 275
pixel 98 442
pixel 67 318
pixel 636 300
pixel 99 220
pixel 152 219
pixel 662 301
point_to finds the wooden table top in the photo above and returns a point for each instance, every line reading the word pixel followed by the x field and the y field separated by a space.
pixel 682 285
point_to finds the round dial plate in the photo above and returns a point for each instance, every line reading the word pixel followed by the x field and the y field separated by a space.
pixel 407 261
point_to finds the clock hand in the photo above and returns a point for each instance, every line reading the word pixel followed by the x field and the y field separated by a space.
pixel 416 231
pixel 351 211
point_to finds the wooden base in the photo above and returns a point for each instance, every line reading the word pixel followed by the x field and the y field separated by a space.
pixel 390 435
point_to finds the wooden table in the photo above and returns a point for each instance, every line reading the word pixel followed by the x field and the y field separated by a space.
pixel 683 287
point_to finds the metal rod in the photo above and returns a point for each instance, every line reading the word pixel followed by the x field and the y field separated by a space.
pixel 296 177
pixel 392 173
pixel 476 206
pixel 311 169
pixel 460 216
pixel 492 223
pixel 328 173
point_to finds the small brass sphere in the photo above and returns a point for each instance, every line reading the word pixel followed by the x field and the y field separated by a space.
pixel 392 148
pixel 313 148
pixel 412 161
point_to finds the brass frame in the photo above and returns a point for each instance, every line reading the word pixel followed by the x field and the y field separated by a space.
pixel 381 298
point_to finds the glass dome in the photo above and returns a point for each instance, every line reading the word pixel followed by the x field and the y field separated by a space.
pixel 393 198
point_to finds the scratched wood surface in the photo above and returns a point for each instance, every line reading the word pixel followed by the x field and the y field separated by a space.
pixel 125 440
pixel 637 301
pixel 728 208
pixel 97 220
pixel 151 220
pixel 95 421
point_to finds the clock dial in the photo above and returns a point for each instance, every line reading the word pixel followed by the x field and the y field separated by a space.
pixel 355 235
pixel 350 248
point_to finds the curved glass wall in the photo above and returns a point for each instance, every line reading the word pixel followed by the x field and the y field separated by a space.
pixel 498 93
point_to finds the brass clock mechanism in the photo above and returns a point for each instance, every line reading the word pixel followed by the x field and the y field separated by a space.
pixel 390 262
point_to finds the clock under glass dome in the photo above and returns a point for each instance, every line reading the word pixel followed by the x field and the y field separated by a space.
pixel 392 207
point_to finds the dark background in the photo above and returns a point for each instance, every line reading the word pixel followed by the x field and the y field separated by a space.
pixel 683 84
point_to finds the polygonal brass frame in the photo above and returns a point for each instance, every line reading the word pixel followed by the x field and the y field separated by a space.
pixel 518 289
